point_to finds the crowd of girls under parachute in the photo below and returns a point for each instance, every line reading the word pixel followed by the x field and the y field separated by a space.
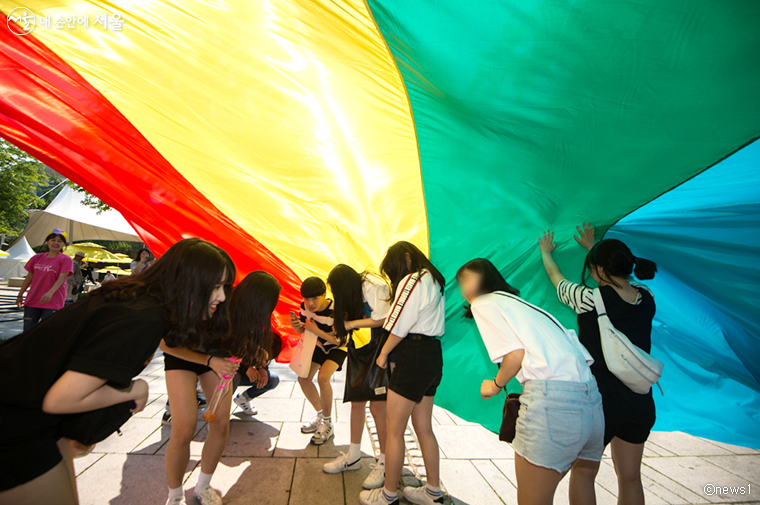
pixel 571 406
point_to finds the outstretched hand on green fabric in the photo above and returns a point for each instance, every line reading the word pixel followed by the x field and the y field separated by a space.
pixel 585 235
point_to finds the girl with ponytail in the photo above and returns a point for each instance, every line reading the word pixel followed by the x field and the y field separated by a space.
pixel 628 416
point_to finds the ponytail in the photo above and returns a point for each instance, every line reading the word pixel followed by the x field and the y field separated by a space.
pixel 644 269
pixel 618 261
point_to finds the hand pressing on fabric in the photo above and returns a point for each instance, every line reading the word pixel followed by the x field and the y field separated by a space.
pixel 382 361
pixel 46 297
pixel 488 389
pixel 223 366
pixel 585 235
pixel 546 243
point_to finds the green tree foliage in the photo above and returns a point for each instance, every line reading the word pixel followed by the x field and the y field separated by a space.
pixel 20 177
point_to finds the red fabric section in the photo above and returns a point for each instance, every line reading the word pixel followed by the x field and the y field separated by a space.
pixel 51 112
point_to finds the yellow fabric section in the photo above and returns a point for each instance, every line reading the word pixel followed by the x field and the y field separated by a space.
pixel 289 115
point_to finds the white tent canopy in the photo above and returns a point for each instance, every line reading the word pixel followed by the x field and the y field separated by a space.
pixel 81 222
pixel 21 250
pixel 13 265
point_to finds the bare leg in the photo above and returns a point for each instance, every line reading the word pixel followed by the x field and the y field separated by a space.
pixel 180 385
pixel 379 413
pixel 309 389
pixel 219 428
pixel 325 386
pixel 422 420
pixel 582 477
pixel 399 411
pixel 70 448
pixel 52 487
pixel 535 484
pixel 627 460
pixel 357 421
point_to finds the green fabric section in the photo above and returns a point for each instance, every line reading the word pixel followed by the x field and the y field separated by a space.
pixel 537 114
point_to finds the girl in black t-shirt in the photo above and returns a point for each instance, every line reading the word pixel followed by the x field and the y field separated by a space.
pixel 85 357
pixel 206 360
pixel 628 416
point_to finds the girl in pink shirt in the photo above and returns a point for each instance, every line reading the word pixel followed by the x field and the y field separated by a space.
pixel 46 280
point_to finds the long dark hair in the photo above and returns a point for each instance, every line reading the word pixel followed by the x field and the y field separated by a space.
pixel 251 307
pixel 139 253
pixel 395 268
pixel 617 260
pixel 183 280
pixel 348 298
pixel 490 279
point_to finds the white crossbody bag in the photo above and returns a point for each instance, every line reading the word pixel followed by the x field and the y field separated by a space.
pixel 635 368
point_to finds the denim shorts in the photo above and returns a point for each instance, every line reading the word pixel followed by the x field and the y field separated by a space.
pixel 559 422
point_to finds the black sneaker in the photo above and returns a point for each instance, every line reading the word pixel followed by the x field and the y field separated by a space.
pixel 167 419
pixel 201 400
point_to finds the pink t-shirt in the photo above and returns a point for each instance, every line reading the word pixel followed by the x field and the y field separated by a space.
pixel 46 271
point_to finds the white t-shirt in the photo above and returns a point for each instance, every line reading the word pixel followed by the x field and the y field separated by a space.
pixel 418 307
pixel 508 323
pixel 377 298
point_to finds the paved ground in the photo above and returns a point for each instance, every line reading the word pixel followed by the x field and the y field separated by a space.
pixel 269 462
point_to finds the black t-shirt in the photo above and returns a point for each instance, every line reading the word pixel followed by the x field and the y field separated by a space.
pixel 111 340
pixel 634 320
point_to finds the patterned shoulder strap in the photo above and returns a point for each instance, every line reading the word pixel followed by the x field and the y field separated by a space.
pixel 409 286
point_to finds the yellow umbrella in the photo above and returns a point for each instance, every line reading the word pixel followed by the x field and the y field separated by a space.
pixel 90 245
pixel 95 253
pixel 114 270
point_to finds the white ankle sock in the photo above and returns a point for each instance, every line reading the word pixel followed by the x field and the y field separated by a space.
pixel 204 479
pixel 390 497
pixel 175 492
pixel 354 452
pixel 434 491
pixel 381 459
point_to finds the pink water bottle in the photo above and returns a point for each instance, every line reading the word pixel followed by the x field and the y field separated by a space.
pixel 221 390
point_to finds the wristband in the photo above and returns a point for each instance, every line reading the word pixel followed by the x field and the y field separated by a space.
pixel 497 384
pixel 208 362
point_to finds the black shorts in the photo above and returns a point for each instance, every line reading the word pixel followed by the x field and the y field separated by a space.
pixel 28 445
pixel 335 354
pixel 628 416
pixel 175 363
pixel 418 370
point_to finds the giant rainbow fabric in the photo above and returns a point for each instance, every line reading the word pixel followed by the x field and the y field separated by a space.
pixel 298 134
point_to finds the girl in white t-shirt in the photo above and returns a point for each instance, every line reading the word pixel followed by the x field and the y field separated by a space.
pixel 361 301
pixel 415 323
pixel 561 422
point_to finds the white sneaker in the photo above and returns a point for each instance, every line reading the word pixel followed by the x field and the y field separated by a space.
pixel 376 477
pixel 312 425
pixel 375 497
pixel 243 402
pixel 341 464
pixel 420 496
pixel 177 500
pixel 324 433
pixel 208 496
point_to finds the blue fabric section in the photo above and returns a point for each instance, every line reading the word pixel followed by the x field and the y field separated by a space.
pixel 705 238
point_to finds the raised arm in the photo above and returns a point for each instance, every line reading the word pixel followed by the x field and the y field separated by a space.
pixel 546 245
